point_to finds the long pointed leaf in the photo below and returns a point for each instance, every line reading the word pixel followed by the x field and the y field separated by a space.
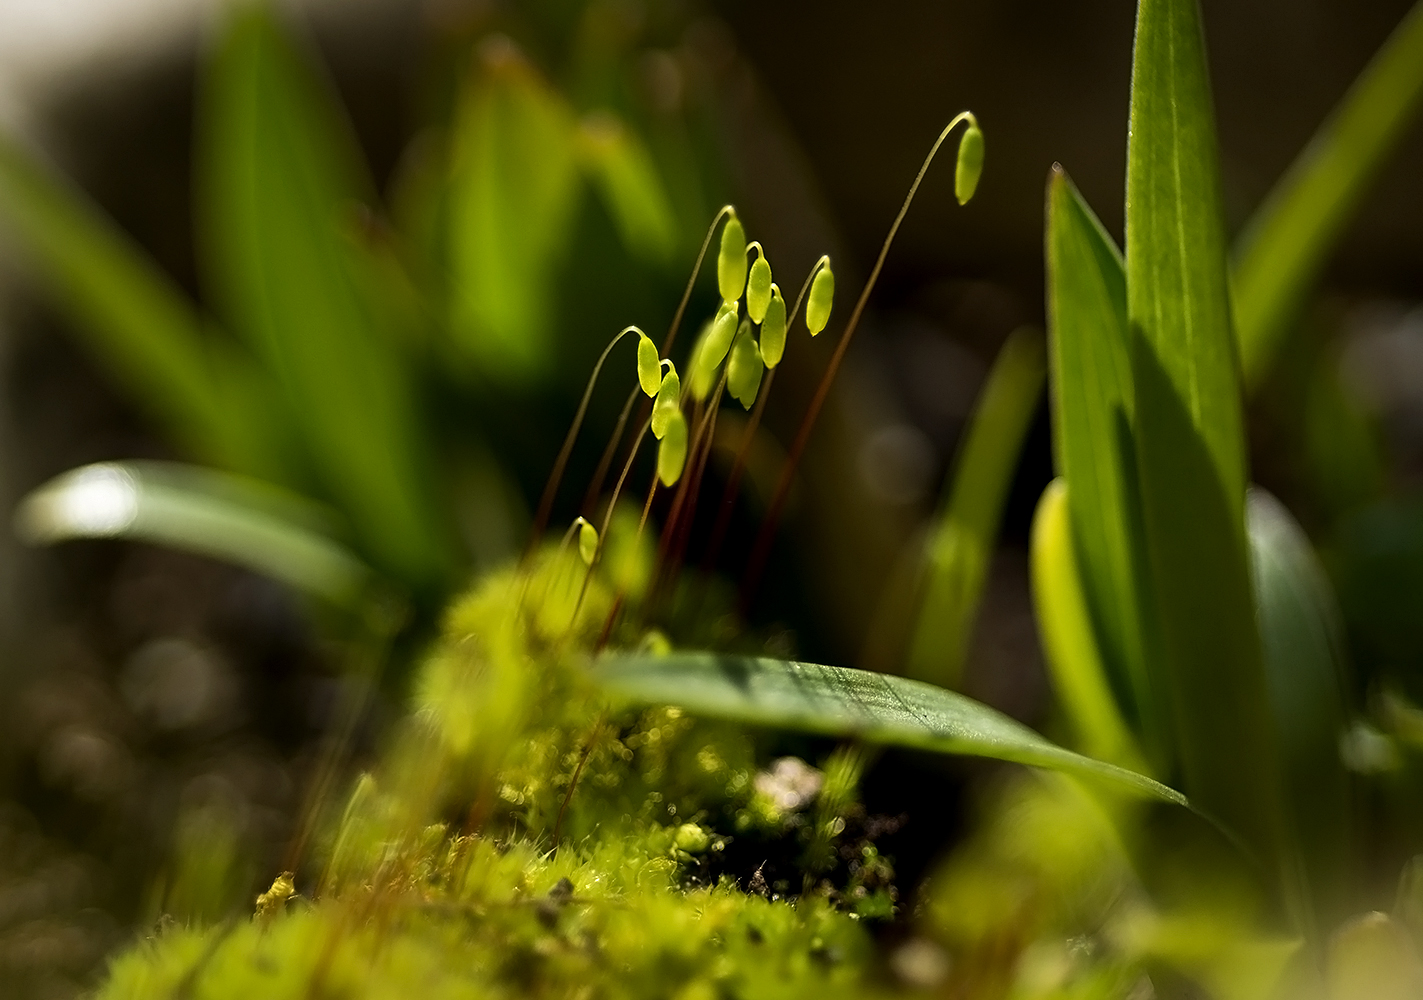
pixel 1068 637
pixel 837 701
pixel 967 530
pixel 281 179
pixel 1299 625
pixel 1282 249
pixel 138 322
pixel 239 520
pixel 1189 433
pixel 1093 411
pixel 513 183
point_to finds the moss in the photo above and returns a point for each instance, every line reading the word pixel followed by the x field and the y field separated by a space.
pixel 521 837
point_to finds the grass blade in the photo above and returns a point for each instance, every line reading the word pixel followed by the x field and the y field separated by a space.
pixel 201 390
pixel 281 179
pixel 837 701
pixel 1282 249
pixel 198 510
pixel 1068 637
pixel 1304 658
pixel 627 178
pixel 513 188
pixel 967 530
pixel 1093 411
pixel 1189 431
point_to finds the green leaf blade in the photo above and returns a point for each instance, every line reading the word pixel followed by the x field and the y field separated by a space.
pixel 837 701
pixel 281 179
pixel 1189 432
pixel 963 540
pixel 1284 246
pixel 233 518
pixel 1093 411
pixel 132 316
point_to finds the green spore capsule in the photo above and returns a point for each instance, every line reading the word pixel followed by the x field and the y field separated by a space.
pixel 672 451
pixel 649 367
pixel 822 295
pixel 970 164
pixel 718 342
pixel 587 543
pixel 758 289
pixel 743 371
pixel 731 261
pixel 701 377
pixel 669 401
pixel 773 330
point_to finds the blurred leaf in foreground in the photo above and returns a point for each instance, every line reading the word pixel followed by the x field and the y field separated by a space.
pixel 626 176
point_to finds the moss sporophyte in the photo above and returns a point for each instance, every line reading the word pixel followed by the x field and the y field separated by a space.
pixel 522 833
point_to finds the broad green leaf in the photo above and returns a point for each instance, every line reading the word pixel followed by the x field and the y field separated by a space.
pixel 1304 658
pixel 1283 247
pixel 281 180
pixel 201 389
pixel 1092 398
pixel 513 187
pixel 625 175
pixel 1189 435
pixel 860 704
pixel 1068 637
pixel 962 543
pixel 239 520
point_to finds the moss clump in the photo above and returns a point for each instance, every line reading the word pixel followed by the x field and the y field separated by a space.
pixel 521 836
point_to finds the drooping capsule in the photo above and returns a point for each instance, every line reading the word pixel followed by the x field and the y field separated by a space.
pixel 669 401
pixel 822 296
pixel 731 261
pixel 773 329
pixel 970 164
pixel 587 542
pixel 743 371
pixel 758 289
pixel 718 342
pixel 700 378
pixel 672 451
pixel 649 368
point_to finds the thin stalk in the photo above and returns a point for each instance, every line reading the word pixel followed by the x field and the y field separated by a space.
pixel 667 341
pixel 590 499
pixel 762 549
pixel 733 482
pixel 603 530
pixel 556 476
pixel 622 588
pixel 679 502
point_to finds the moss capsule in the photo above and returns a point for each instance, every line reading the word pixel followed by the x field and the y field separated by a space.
pixel 587 542
pixel 773 330
pixel 718 342
pixel 743 371
pixel 970 164
pixel 669 401
pixel 731 261
pixel 672 451
pixel 758 289
pixel 700 379
pixel 649 368
pixel 822 296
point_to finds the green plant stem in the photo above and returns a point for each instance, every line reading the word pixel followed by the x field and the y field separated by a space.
pixel 560 463
pixel 762 549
